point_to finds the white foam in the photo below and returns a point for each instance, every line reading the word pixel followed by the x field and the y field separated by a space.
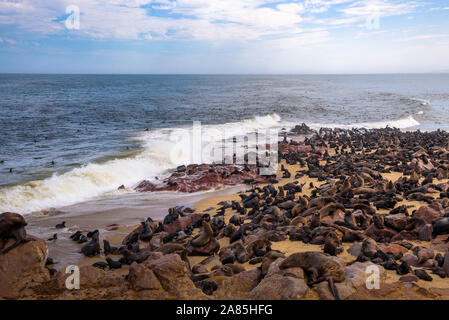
pixel 403 123
pixel 163 149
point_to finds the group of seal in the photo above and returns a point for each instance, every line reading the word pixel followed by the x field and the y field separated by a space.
pixel 349 200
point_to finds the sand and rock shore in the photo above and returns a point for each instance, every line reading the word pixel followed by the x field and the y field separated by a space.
pixel 350 214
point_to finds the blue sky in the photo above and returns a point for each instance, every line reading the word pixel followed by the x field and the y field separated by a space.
pixel 224 36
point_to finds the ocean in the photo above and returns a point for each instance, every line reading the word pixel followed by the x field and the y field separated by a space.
pixel 71 139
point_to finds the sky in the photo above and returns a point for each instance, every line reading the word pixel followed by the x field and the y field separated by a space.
pixel 224 36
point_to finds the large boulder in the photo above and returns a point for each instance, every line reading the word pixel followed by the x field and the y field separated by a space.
pixel 396 221
pixel 22 268
pixel 430 213
pixel 278 287
pixel 238 286
pixel 174 277
pixel 208 250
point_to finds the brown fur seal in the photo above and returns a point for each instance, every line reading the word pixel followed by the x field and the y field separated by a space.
pixel 12 225
pixel 204 237
pixel 318 266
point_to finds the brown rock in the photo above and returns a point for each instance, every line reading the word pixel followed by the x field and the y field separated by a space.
pixel 373 232
pixel 238 286
pixel 278 287
pixel 408 279
pixel 142 278
pixel 22 268
pixel 396 221
pixel 344 290
pixel 446 264
pixel 430 213
pixel 174 277
pixel 411 260
pixel 199 268
pixel 425 233
pixel 208 250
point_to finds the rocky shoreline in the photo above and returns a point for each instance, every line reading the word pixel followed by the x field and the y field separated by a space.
pixel 342 203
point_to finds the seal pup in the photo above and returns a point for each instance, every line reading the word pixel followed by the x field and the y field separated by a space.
pixel 319 267
pixel 12 225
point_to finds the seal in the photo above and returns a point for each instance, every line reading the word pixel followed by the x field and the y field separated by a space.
pixel 205 237
pixel 318 266
pixel 93 247
pixel 12 225
pixel 60 225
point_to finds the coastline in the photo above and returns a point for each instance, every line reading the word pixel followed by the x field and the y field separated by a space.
pixel 394 286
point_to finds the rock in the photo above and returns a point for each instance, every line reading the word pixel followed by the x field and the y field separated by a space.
pixel 174 277
pixel 181 223
pixel 22 268
pixel 423 254
pixel 425 233
pixel 408 279
pixel 373 232
pixel 344 290
pixel 404 235
pixel 238 286
pixel 396 221
pixel 142 278
pixel 208 250
pixel 274 267
pixel 395 249
pixel 199 268
pixel 430 213
pixel 356 274
pixel 278 287
pixel 411 260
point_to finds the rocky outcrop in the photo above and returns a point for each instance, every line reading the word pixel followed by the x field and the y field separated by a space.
pixel 22 269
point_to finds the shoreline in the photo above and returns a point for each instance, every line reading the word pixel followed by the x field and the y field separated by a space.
pixel 395 286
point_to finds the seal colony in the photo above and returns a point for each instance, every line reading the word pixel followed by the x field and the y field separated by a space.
pixel 342 199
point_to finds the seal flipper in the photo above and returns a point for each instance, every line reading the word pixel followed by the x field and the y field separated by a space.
pixel 333 288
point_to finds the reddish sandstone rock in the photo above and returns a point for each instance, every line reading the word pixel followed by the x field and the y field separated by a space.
pixel 395 249
pixel 179 224
pixel 238 286
pixel 405 235
pixel 208 250
pixel 425 233
pixel 373 232
pixel 430 213
pixel 396 221
pixel 22 268
pixel 174 277
pixel 199 268
pixel 278 287
pixel 142 278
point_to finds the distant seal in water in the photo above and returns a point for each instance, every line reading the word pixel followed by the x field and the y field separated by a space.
pixel 54 238
pixel 60 225
pixel 76 236
pixel 12 225
pixel 318 266
pixel 204 237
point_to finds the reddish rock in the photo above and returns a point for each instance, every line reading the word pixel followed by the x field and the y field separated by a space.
pixel 373 232
pixel 396 221
pixel 208 250
pixel 430 213
pixel 238 286
pixel 142 278
pixel 408 279
pixel 199 268
pixel 174 277
pixel 404 235
pixel 179 224
pixel 278 287
pixel 395 249
pixel 22 268
pixel 425 233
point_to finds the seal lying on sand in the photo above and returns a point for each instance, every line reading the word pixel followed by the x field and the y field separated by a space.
pixel 12 225
pixel 318 266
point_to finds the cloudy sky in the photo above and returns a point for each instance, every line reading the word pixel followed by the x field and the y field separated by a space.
pixel 224 36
